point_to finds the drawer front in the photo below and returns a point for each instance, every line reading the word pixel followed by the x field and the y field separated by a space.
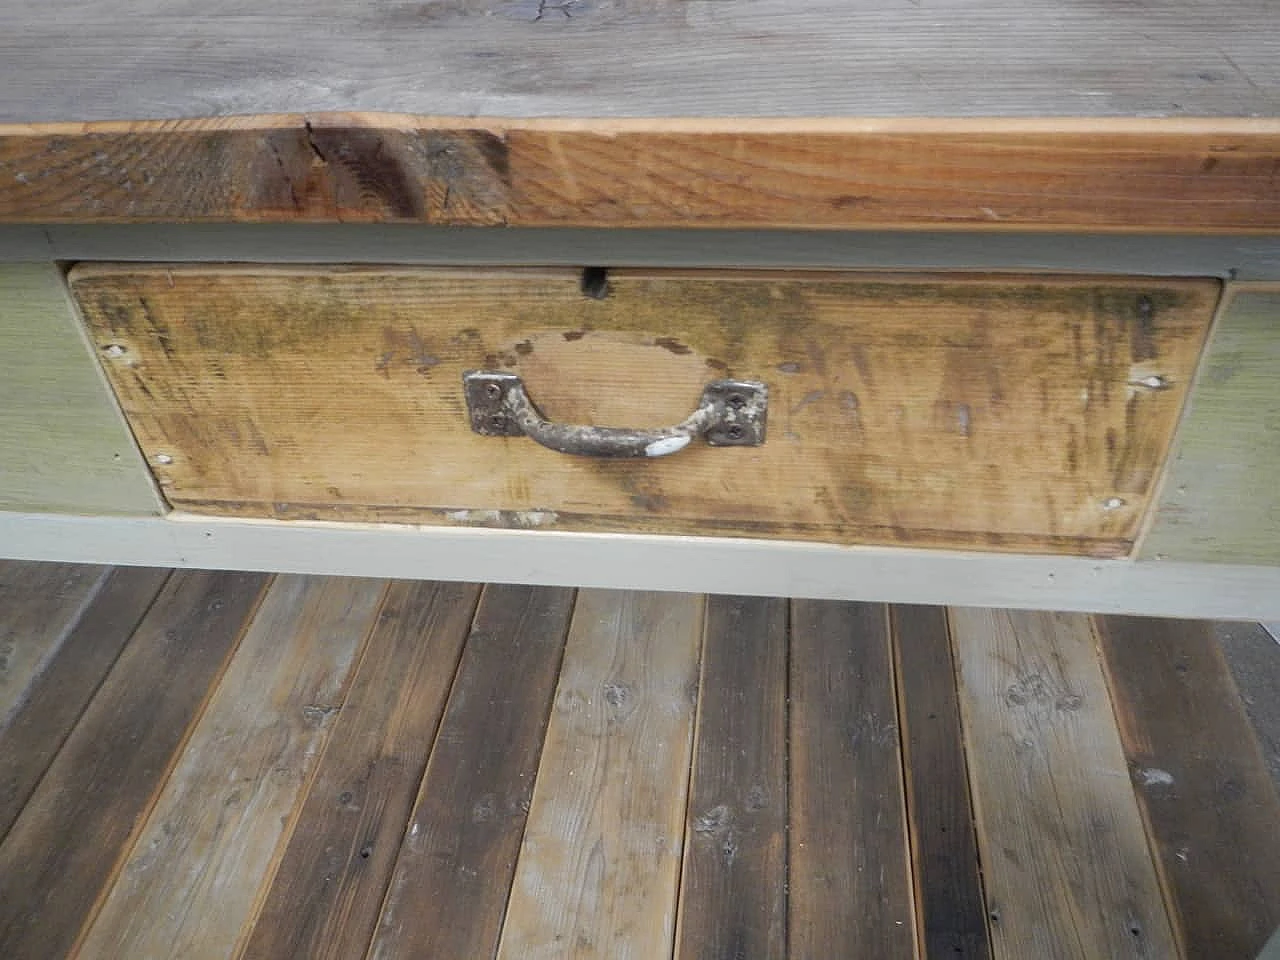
pixel 998 412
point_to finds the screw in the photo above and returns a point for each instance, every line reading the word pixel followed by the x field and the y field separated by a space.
pixel 164 458
pixel 493 391
pixel 736 400
pixel 735 432
pixel 1112 503
pixel 498 422
pixel 114 350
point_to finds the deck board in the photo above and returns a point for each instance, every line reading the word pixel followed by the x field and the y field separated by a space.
pixel 387 769
pixel 1200 777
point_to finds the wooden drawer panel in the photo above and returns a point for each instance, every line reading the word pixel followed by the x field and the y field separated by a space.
pixel 999 412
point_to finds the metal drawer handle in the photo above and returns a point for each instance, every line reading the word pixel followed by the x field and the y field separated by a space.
pixel 731 413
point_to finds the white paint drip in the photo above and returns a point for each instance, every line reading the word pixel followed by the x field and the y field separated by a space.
pixel 667 445
pixel 1155 777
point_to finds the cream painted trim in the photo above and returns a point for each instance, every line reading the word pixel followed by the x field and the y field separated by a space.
pixel 713 565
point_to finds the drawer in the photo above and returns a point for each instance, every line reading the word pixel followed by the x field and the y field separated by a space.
pixel 1022 413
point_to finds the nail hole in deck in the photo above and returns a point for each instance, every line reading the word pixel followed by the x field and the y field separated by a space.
pixel 595 283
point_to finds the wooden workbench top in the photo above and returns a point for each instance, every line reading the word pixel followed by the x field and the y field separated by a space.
pixel 915 114
pixel 162 59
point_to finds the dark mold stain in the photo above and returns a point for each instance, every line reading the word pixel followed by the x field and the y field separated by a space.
pixel 672 344
pixel 572 335
pixel 524 348
pixel 1142 337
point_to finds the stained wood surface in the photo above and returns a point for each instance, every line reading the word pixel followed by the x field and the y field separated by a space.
pixel 351 823
pixel 66 447
pixel 63 850
pixel 1205 790
pixel 600 863
pixel 990 175
pixel 1064 856
pixel 951 916
pixel 189 883
pixel 249 779
pixel 1217 503
pixel 850 874
pixel 59 693
pixel 459 853
pixel 39 604
pixel 733 889
pixel 1013 413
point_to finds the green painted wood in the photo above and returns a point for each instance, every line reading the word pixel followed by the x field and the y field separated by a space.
pixel 1221 501
pixel 64 446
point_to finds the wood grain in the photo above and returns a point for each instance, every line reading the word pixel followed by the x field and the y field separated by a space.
pixel 66 447
pixel 1205 791
pixel 733 885
pixel 56 697
pixel 188 885
pixel 600 864
pixel 1096 175
pixel 951 916
pixel 459 852
pixel 1253 656
pixel 326 893
pixel 1064 855
pixel 40 603
pixel 850 875
pixel 1217 504
pixel 1013 413
pixel 63 849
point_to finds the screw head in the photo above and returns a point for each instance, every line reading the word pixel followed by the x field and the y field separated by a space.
pixel 492 391
pixel 498 422
pixel 734 432
pixel 736 400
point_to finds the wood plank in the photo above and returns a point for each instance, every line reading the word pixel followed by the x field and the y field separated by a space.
pixel 1205 791
pixel 951 916
pixel 1131 175
pixel 66 447
pixel 188 884
pixel 1213 506
pixel 1246 257
pixel 1064 856
pixel 59 694
pixel 655 562
pixel 850 879
pixel 175 58
pixel 71 834
pixel 1253 655
pixel 904 409
pixel 460 847
pixel 325 896
pixel 40 603
pixel 600 862
pixel 733 886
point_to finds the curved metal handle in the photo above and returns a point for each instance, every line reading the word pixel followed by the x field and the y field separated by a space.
pixel 731 413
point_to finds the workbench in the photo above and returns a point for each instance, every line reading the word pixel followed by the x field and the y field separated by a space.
pixel 1008 274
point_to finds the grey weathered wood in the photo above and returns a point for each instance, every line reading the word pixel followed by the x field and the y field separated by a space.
pixel 1225 256
pixel 1221 501
pixel 74 60
pixel 63 444
pixel 1254 658
pixel 702 564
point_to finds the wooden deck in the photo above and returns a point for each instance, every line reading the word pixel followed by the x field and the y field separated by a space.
pixel 198 764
